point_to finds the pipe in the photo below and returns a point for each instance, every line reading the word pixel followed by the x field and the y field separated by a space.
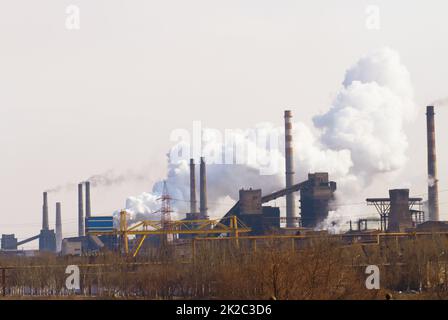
pixel 291 217
pixel 433 189
pixel 45 213
pixel 58 227
pixel 80 212
pixel 88 212
pixel 203 190
pixel 193 203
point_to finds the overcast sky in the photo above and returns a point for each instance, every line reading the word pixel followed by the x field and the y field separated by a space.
pixel 74 103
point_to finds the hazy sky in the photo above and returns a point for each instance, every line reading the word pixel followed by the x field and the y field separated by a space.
pixel 74 103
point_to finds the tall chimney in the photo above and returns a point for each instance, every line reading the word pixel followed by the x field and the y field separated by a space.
pixel 58 227
pixel 80 212
pixel 203 190
pixel 193 204
pixel 289 166
pixel 88 213
pixel 45 213
pixel 433 189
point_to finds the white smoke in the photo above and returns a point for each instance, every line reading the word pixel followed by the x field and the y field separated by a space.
pixel 367 118
pixel 431 181
pixel 361 136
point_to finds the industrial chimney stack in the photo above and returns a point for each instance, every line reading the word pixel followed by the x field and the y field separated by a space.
pixel 88 212
pixel 289 166
pixel 45 213
pixel 58 227
pixel 203 190
pixel 433 190
pixel 80 212
pixel 193 204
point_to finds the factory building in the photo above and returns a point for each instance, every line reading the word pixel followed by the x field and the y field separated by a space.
pixel 47 241
pixel 85 244
pixel 9 242
pixel 397 213
pixel 71 248
pixel 260 219
pixel 316 195
pixel 47 237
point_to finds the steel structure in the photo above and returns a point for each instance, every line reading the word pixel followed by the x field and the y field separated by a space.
pixel 146 228
pixel 165 213
pixel 382 206
pixel 235 209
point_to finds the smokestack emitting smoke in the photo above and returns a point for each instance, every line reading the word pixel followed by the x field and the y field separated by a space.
pixel 88 213
pixel 289 166
pixel 203 190
pixel 58 227
pixel 433 191
pixel 80 212
pixel 193 205
pixel 45 213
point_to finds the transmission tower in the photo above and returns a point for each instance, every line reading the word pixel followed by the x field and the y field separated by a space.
pixel 165 210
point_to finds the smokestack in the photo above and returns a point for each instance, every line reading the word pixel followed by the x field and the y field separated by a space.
pixel 45 213
pixel 289 166
pixel 80 212
pixel 433 189
pixel 203 190
pixel 58 227
pixel 88 213
pixel 193 204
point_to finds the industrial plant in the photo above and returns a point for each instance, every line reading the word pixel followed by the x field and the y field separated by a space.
pixel 308 204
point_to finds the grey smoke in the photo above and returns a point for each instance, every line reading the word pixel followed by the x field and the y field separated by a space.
pixel 110 178
pixel 105 179
pixel 441 102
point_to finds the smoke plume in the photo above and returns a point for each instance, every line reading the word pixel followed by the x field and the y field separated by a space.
pixel 367 118
pixel 441 102
pixel 105 179
pixel 360 136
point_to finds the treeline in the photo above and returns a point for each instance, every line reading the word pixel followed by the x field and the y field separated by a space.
pixel 322 268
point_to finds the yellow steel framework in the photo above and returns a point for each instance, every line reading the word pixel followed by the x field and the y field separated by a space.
pixel 156 227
